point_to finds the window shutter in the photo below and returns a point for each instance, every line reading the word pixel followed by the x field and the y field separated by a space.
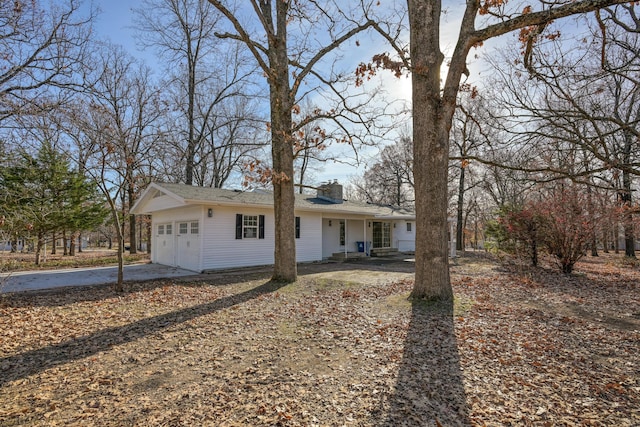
pixel 238 226
pixel 261 227
pixel 297 227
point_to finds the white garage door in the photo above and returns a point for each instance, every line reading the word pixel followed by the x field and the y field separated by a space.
pixel 188 245
pixel 164 244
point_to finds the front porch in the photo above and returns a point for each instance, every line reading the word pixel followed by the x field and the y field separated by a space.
pixel 350 238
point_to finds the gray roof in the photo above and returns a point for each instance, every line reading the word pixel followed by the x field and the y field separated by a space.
pixel 206 195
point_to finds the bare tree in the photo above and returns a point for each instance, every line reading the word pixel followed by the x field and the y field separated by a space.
pixel 467 137
pixel 389 181
pixel 207 79
pixel 581 113
pixel 129 105
pixel 41 47
pixel 293 43
pixel 434 105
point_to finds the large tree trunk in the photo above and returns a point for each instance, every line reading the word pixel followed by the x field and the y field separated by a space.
pixel 431 153
pixel 282 152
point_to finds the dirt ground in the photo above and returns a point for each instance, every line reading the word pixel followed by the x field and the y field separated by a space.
pixel 341 346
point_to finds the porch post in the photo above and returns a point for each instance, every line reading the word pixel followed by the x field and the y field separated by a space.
pixel 346 238
pixel 364 226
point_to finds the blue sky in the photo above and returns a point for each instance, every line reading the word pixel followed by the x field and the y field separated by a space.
pixel 115 20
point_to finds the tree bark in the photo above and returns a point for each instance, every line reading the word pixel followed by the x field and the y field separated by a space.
pixel 133 238
pixel 431 124
pixel 281 150
pixel 460 224
pixel 627 225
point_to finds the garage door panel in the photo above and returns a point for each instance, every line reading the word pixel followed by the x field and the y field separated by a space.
pixel 165 244
pixel 188 245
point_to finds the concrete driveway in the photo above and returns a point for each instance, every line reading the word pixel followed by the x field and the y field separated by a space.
pixel 49 279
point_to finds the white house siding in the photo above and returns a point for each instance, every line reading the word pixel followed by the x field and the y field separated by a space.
pixel 165 247
pixel 220 247
pixel 161 203
pixel 307 247
pixel 404 240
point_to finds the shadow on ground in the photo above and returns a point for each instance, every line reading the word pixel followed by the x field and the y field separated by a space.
pixel 76 294
pixel 32 362
pixel 429 388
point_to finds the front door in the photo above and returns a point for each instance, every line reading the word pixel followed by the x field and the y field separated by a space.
pixel 381 235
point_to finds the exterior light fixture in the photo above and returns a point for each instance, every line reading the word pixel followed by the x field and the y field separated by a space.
pixel 210 212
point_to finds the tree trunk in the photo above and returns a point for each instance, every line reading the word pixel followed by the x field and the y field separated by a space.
pixel 72 245
pixel 431 124
pixel 39 245
pixel 149 237
pixel 534 249
pixel 133 238
pixel 65 241
pixel 629 237
pixel 282 152
pixel 460 224
pixel 79 242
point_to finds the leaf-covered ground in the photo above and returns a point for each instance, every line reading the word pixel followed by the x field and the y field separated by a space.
pixel 342 346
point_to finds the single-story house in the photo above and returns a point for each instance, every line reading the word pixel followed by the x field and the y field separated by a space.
pixel 201 229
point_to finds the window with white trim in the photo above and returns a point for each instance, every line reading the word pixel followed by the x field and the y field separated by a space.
pixel 160 229
pixel 195 227
pixel 250 227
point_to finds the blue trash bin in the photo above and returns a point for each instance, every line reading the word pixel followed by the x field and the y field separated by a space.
pixel 360 246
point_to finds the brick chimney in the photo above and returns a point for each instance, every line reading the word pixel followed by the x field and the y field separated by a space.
pixel 331 191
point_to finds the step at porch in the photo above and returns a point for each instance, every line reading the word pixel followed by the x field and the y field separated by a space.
pixel 341 256
pixel 378 252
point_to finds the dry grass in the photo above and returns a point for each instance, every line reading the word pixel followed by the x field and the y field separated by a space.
pixel 20 261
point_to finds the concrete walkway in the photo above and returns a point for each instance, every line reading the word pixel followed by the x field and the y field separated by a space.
pixel 48 279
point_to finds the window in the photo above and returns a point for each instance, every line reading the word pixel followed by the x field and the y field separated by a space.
pixel 160 229
pixel 342 229
pixel 183 227
pixel 169 229
pixel 249 226
pixel 408 226
pixel 297 227
pixel 195 228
